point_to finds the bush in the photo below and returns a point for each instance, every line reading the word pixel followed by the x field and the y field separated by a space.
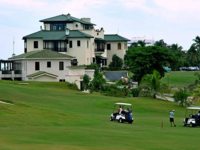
pixel 135 92
pixel 86 81
pixel 181 96
pixel 120 82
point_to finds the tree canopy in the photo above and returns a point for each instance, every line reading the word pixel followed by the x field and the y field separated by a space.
pixel 116 63
pixel 143 60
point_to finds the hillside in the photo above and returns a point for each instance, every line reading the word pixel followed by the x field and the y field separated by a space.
pixel 52 116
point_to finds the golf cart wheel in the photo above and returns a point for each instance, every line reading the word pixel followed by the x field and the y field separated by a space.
pixel 130 122
pixel 184 124
pixel 191 125
pixel 111 119
pixel 120 120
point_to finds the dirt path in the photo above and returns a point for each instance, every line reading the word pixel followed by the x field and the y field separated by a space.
pixel 5 103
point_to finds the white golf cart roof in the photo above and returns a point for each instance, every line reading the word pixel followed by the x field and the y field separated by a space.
pixel 123 104
pixel 193 108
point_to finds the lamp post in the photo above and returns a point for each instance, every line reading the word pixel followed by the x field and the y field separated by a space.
pixel 168 78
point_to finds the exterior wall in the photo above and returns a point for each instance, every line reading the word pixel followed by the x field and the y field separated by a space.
pixel 44 78
pixel 46 26
pixel 82 53
pixel 92 43
pixel 30 44
pixel 115 50
pixel 28 67
pixel 90 73
pixel 75 74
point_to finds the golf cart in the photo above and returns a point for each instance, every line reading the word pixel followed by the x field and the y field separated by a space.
pixel 126 114
pixel 191 120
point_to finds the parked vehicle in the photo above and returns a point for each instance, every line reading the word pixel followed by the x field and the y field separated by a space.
pixel 167 69
pixel 126 114
pixel 183 68
pixel 193 119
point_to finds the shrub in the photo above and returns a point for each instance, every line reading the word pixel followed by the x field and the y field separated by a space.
pixel 135 92
pixel 181 96
pixel 86 81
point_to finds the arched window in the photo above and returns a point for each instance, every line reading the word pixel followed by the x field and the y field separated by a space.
pixel 119 46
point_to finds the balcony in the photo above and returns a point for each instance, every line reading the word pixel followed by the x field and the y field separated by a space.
pixel 58 46
pixel 57 49
pixel 99 50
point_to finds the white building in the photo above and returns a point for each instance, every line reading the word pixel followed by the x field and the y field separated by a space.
pixel 149 42
pixel 78 38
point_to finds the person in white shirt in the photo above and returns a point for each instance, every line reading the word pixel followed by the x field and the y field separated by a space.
pixel 120 109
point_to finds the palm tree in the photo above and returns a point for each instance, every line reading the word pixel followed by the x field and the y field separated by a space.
pixel 160 43
pixel 197 42
pixel 175 48
pixel 152 84
pixel 142 43
pixel 134 45
pixel 193 54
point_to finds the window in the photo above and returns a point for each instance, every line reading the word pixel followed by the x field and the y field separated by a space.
pixel 87 44
pixel 35 43
pixel 108 47
pixel 37 65
pixel 87 27
pixel 70 44
pixel 125 46
pixel 48 64
pixel 78 43
pixel 93 59
pixel 57 26
pixel 61 65
pixel 119 45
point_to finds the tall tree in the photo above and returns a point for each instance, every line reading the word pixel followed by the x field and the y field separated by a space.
pixel 142 43
pixel 193 55
pixel 197 42
pixel 143 60
pixel 175 48
pixel 116 63
pixel 152 83
pixel 160 43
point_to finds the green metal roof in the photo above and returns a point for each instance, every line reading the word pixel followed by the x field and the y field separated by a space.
pixel 99 39
pixel 41 54
pixel 57 35
pixel 41 73
pixel 101 57
pixel 64 18
pixel 114 37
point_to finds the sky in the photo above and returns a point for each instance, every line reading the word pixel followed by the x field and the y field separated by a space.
pixel 174 21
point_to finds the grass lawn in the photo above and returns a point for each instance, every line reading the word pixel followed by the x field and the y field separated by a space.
pixel 179 78
pixel 51 116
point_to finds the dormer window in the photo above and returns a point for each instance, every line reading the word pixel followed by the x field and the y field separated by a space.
pixel 57 26
pixel 87 27
pixel 77 25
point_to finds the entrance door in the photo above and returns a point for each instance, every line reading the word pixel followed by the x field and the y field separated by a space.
pixel 81 85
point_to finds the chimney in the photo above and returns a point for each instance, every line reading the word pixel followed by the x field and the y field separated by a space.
pixel 86 19
pixel 13 54
pixel 40 27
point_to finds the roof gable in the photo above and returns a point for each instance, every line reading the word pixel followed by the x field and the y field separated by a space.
pixel 64 18
pixel 41 73
pixel 42 54
pixel 114 37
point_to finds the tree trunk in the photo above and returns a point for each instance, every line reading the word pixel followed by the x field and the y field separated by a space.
pixel 154 95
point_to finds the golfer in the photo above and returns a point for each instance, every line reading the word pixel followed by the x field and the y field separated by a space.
pixel 172 117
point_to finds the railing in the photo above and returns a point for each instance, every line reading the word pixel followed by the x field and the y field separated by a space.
pixel 58 49
pixel 99 50
pixel 6 72
pixel 18 72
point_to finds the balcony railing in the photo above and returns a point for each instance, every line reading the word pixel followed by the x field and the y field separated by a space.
pixel 6 72
pixel 58 49
pixel 99 50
